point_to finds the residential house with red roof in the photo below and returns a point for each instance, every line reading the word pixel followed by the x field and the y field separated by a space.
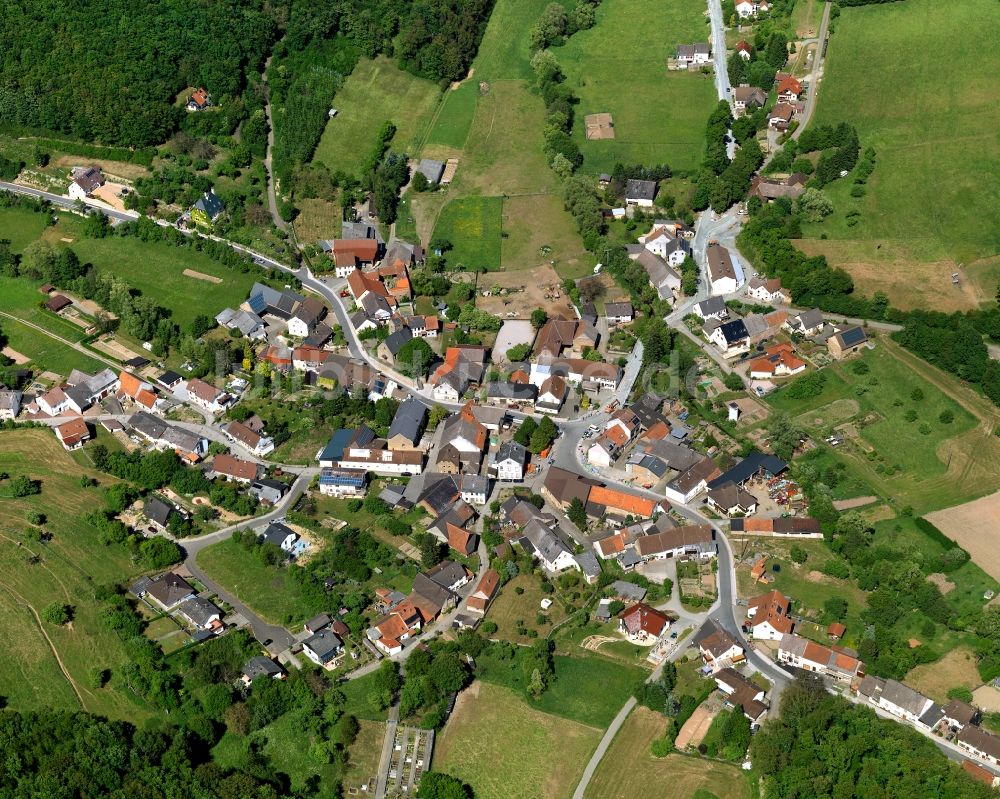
pixel 642 624
pixel 768 616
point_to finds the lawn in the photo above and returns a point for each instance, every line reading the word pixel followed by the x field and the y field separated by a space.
pixel 545 240
pixel 20 296
pixel 46 353
pixel 617 68
pixel 472 225
pixel 267 589
pixel 374 93
pixel 510 607
pixel 541 756
pixel 70 564
pixel 364 754
pixel 572 694
pixel 935 180
pixel 21 226
pixel 629 770
pixel 454 118
pixel 157 270
pixel 925 463
pixel 356 693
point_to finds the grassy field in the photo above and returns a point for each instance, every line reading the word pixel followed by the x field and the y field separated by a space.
pixel 454 118
pixel 157 270
pixel 374 93
pixel 21 226
pixel 70 565
pixel 472 225
pixel 541 757
pixel 267 589
pixel 46 353
pixel 363 755
pixel 511 607
pixel 950 463
pixel 936 180
pixel 572 694
pixel 617 68
pixel 957 669
pixel 629 770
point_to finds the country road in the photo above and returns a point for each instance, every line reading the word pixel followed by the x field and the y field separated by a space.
pixel 73 344
pixel 272 200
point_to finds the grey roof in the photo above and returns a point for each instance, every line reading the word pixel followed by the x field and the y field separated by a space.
pixel 169 378
pixel 156 510
pixel 751 465
pixel 852 336
pixel 524 392
pixel 276 533
pixel 10 400
pixel 629 559
pixel 325 644
pixel 169 589
pixel 431 169
pixel 546 544
pixel 904 697
pixel 931 716
pixel 677 456
pixel 440 491
pixel 181 439
pixel 587 561
pixel 511 450
pixel 360 230
pixel 409 420
pixel 431 590
pixel 631 591
pixel 650 463
pixel 245 321
pixel 210 204
pixel 260 666
pixel 689 50
pixel 618 309
pixel 713 305
pixel 647 409
pixel 447 573
pixel 473 484
pixel 264 299
pixel 640 189
pixel 755 324
pixel 400 250
pixel 809 319
pixel 318 622
pixel 199 611
pixel 394 341
pixel 734 331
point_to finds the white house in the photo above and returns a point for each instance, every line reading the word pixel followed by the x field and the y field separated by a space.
pixel 281 536
pixel 552 553
pixel 640 193
pixel 980 743
pixel 664 242
pixel 806 323
pixel 768 616
pixel 693 54
pixel 810 656
pixel 718 648
pixel 207 396
pixel 85 182
pixel 722 277
pixel 691 482
pixel 510 461
pixel 323 647
pixel 712 308
pixel 895 698
pixel 449 388
pixel 746 9
pixel 731 338
pixel 766 290
pixel 10 404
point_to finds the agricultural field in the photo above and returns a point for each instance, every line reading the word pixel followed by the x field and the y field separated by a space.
pixel 934 183
pixel 628 769
pixel 542 756
pixel 48 666
pixel 374 93
pixel 157 270
pixel 973 526
pixel 472 225
pixel 925 463
pixel 659 115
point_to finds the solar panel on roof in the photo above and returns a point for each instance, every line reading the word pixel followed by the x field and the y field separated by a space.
pixel 258 303
pixel 854 335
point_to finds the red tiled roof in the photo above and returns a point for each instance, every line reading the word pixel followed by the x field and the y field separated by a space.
pixel 234 467
pixel 643 618
pixel 612 498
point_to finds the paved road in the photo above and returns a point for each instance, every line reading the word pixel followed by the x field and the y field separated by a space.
pixel 66 202
pixel 384 759
pixel 272 201
pixel 719 50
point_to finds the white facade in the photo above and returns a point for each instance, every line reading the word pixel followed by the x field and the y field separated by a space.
pixel 509 470
pixel 379 461
pixel 746 9
pixel 445 392
pixel 345 270
pixel 297 328
pixel 599 456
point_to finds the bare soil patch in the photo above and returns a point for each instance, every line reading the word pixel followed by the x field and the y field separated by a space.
pixel 987 697
pixel 889 266
pixel 854 502
pixel 539 288
pixel 114 348
pixel 957 668
pixel 599 126
pixel 17 357
pixel 202 276
pixel 941 581
pixel 695 728
pixel 111 169
pixel 975 526
pixel 752 411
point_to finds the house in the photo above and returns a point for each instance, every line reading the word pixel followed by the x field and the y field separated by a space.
pixel 747 99
pixel 510 462
pixel 779 360
pixel 233 469
pixel 389 347
pixel 619 313
pixel 766 290
pixel 718 648
pixel 168 591
pixel 783 525
pixel 269 492
pixel 802 653
pixel 473 488
pixel 754 466
pixel 431 169
pixel 407 426
pixel 894 698
pixel 189 446
pixel 139 392
pixel 743 49
pixel 461 540
pixel 57 302
pixel 323 647
pixel 201 614
pixel 400 624
pixel 402 254
pixel 449 575
pixel 247 322
pixel 260 445
pixel 85 182
pixel 958 714
pixel 351 254
pixel 281 536
pixel 463 366
pixel 73 433
pixel 640 192
pixel 662 276
pixel 740 692
pixel 590 375
pixel 199 100
pixel 78 393
pixel 465 440
pixel 264 300
pixel 510 394
pixel 835 631
pixel 732 338
pixel 768 616
pixel 260 666
pixel 482 597
pixel 781 115
pixel 603 500
pixel 551 395
pixel 693 55
pixel 308 359
pixel 560 334
pixel 691 482
pixel 10 404
pixel 695 541
pixel 789 90
pixel 982 744
pixel 846 342
pixel 730 499
pixel 805 323
pixel 207 209
pixel 548 547
pixel 768 189
pixel 373 457
pixel 642 624
pixel 746 8
pixel 712 308
pixel 722 277
pixel 305 318
pixel 208 396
